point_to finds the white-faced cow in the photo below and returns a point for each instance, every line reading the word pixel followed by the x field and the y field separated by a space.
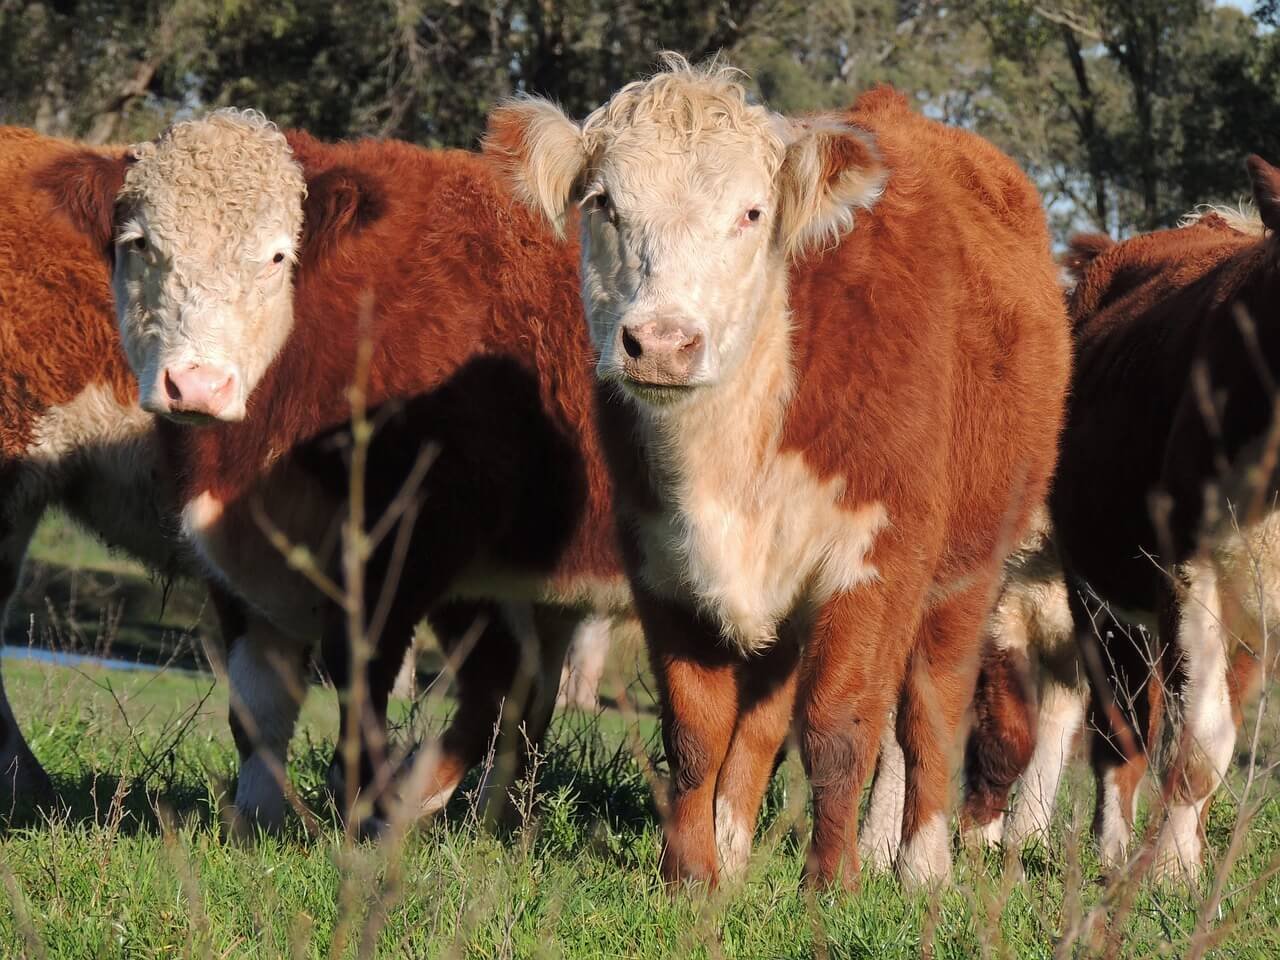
pixel 832 357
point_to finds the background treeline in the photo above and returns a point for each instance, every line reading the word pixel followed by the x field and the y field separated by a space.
pixel 1128 112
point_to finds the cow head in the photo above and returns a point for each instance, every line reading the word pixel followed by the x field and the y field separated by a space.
pixel 204 227
pixel 693 201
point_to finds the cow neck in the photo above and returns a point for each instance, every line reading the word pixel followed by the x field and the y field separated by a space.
pixel 731 430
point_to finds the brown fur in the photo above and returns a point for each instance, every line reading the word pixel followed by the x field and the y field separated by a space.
pixel 930 352
pixel 1144 476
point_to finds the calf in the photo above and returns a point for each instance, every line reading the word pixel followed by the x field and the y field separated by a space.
pixel 1164 502
pixel 251 269
pixel 822 450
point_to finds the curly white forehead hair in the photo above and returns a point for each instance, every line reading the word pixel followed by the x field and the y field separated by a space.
pixel 230 174
pixel 684 102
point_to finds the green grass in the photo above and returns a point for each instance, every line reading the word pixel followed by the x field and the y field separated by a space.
pixel 141 866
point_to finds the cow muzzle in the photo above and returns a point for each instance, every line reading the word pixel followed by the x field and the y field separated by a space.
pixel 198 392
pixel 660 353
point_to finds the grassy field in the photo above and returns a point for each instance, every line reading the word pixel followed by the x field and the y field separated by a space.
pixel 141 866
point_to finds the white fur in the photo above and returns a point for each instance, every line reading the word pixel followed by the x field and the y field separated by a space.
pixel 881 836
pixel 733 840
pixel 925 859
pixel 1113 824
pixel 584 666
pixel 1061 715
pixel 214 201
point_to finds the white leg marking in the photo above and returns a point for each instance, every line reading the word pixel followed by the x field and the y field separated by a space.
pixel 733 840
pixel 1208 738
pixel 267 686
pixel 880 838
pixel 1060 718
pixel 925 860
pixel 1113 829
pixel 580 680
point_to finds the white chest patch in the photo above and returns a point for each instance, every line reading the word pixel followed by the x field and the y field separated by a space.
pixel 753 542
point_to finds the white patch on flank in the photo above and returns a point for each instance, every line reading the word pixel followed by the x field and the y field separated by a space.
pixel 267 687
pixel 925 859
pixel 95 436
pixel 733 840
pixel 881 836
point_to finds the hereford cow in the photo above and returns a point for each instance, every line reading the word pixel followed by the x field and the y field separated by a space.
pixel 72 435
pixel 249 269
pixel 819 470
pixel 1164 502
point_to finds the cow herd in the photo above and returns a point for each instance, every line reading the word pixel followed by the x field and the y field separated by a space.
pixel 807 396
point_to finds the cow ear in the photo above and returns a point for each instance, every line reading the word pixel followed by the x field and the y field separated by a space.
pixel 829 171
pixel 1266 191
pixel 340 203
pixel 84 186
pixel 541 152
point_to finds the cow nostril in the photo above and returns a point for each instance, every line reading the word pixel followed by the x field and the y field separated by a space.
pixel 171 388
pixel 694 344
pixel 631 345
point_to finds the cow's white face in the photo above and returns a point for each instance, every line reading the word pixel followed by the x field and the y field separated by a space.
pixel 210 217
pixel 677 256
pixel 693 200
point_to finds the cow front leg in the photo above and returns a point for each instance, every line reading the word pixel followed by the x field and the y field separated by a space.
pixel 267 679
pixel 697 690
pixel 23 781
pixel 766 701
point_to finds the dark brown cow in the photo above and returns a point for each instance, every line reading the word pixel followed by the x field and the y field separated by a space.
pixel 1163 503
pixel 819 475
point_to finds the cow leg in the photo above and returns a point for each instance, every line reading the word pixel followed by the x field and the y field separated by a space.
pixel 22 779
pixel 697 690
pixel 1205 737
pixel 851 671
pixel 938 690
pixel 362 729
pixel 543 636
pixel 1002 739
pixel 766 694
pixel 881 836
pixel 580 683
pixel 1061 715
pixel 268 683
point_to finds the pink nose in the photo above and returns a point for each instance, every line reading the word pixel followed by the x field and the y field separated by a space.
pixel 199 389
pixel 661 353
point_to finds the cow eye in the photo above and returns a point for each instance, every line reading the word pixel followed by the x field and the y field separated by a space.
pixel 278 258
pixel 140 244
pixel 602 200
pixel 753 214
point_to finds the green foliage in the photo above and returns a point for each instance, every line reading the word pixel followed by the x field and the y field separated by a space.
pixel 1127 112
pixel 140 865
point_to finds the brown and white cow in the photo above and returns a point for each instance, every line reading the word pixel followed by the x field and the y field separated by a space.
pixel 72 435
pixel 1164 504
pixel 832 358
pixel 249 266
